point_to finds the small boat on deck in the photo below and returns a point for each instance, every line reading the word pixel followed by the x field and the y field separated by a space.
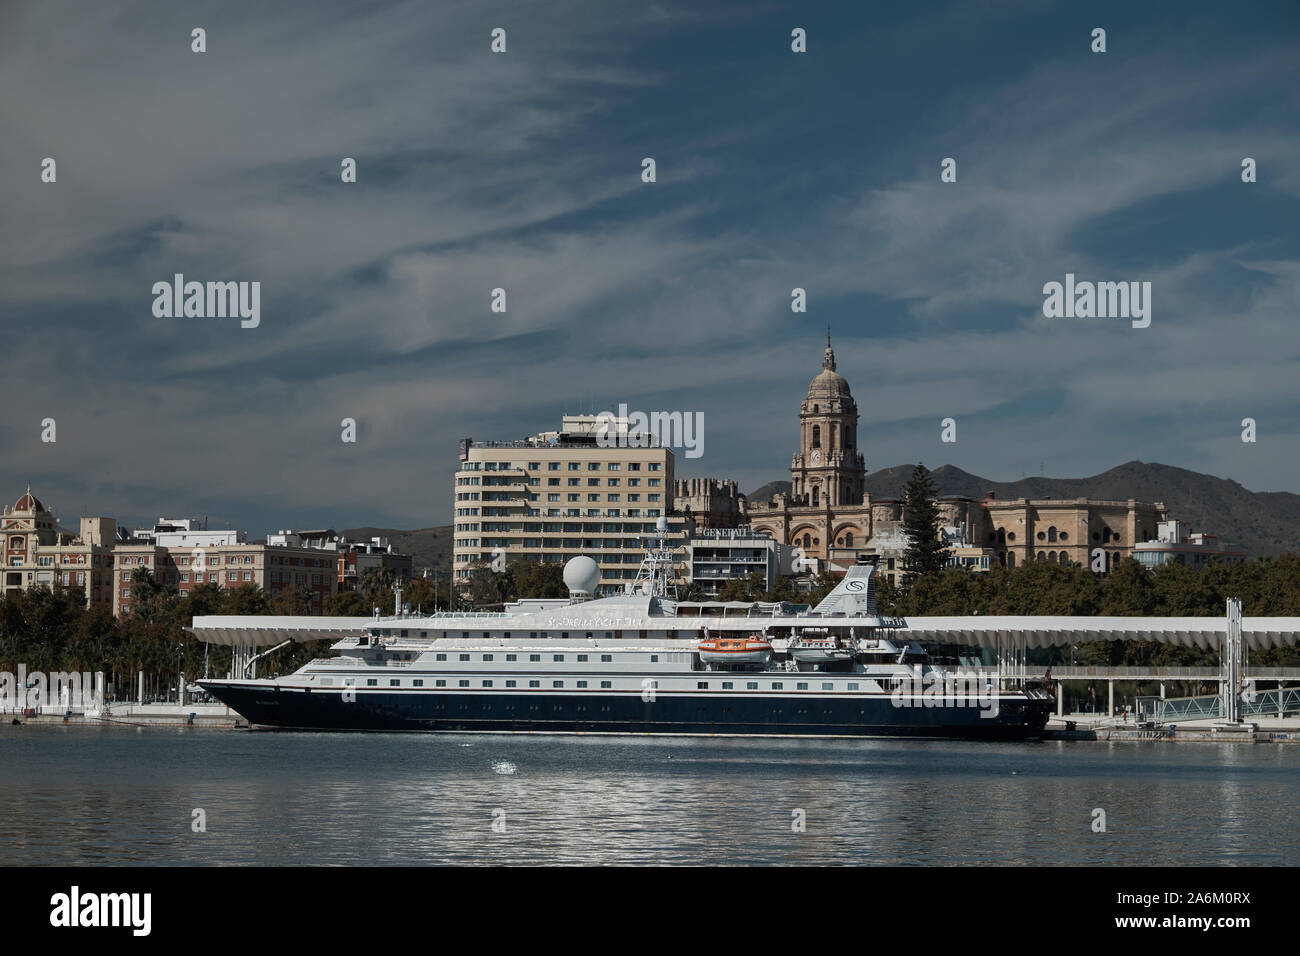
pixel 818 646
pixel 734 649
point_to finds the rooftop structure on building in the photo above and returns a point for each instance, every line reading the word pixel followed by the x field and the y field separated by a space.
pixel 167 526
pixel 1176 543
pixel 198 539
pixel 575 430
pixel 327 539
pixel 352 558
pixel 711 502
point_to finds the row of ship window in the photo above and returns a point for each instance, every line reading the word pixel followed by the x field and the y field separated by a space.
pixel 534 658
pixel 608 685
pixel 505 635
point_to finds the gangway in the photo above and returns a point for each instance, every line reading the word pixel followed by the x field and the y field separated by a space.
pixel 1265 703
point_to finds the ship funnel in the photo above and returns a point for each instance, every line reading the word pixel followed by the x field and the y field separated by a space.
pixel 855 596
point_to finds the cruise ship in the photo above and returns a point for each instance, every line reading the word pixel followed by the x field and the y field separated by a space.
pixel 643 662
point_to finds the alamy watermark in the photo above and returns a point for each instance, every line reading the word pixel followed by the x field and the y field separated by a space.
pixel 1100 300
pixel 947 689
pixel 35 690
pixel 131 911
pixel 211 300
pixel 651 430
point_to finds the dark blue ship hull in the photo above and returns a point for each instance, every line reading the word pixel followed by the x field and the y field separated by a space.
pixel 805 715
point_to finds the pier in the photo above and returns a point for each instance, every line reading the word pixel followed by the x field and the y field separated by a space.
pixel 129 714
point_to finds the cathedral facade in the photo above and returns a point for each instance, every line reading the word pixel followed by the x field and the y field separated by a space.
pixel 827 514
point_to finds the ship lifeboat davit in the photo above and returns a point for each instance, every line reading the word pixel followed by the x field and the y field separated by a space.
pixel 751 649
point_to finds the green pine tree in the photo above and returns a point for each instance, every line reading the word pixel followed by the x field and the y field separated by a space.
pixel 926 553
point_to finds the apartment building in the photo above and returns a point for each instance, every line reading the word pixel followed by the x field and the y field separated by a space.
pixel 188 559
pixel 558 495
pixel 718 555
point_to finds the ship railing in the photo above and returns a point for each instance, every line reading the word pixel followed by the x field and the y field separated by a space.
pixel 391 618
pixel 473 614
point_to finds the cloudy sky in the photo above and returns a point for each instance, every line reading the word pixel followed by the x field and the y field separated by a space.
pixel 522 170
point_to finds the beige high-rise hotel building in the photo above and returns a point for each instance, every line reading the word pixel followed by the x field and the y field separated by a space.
pixel 559 495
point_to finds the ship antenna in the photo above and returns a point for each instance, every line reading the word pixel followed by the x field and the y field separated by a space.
pixel 656 567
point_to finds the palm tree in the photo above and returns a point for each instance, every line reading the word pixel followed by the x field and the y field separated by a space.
pixel 376 586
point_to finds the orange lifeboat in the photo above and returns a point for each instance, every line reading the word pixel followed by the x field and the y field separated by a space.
pixel 741 649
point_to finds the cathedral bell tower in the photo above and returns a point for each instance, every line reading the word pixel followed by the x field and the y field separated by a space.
pixel 828 471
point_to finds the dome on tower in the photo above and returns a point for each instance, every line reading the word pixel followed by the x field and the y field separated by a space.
pixel 28 502
pixel 828 383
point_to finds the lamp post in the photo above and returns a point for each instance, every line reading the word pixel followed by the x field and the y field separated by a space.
pixel 180 676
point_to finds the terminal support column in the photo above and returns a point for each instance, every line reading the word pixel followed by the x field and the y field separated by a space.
pixel 1232 661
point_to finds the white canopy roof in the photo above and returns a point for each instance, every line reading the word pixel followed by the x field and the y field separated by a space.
pixel 1050 631
pixel 992 632
pixel 263 630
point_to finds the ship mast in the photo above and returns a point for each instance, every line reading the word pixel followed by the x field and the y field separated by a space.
pixel 656 576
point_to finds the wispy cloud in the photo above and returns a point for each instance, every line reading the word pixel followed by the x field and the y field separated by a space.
pixel 522 171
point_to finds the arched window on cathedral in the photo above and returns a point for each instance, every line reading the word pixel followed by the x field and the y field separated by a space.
pixel 1011 559
pixel 832 444
pixel 816 495
pixel 848 540
pixel 817 436
pixel 807 541
pixel 1051 533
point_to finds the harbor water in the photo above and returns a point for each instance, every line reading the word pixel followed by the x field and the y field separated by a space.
pixel 167 796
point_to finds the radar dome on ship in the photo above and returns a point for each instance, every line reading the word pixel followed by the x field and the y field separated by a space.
pixel 662 524
pixel 581 575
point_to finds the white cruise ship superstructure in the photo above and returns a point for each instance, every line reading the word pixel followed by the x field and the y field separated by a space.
pixel 642 662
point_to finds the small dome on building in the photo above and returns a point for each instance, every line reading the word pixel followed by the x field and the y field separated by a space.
pixel 28 502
